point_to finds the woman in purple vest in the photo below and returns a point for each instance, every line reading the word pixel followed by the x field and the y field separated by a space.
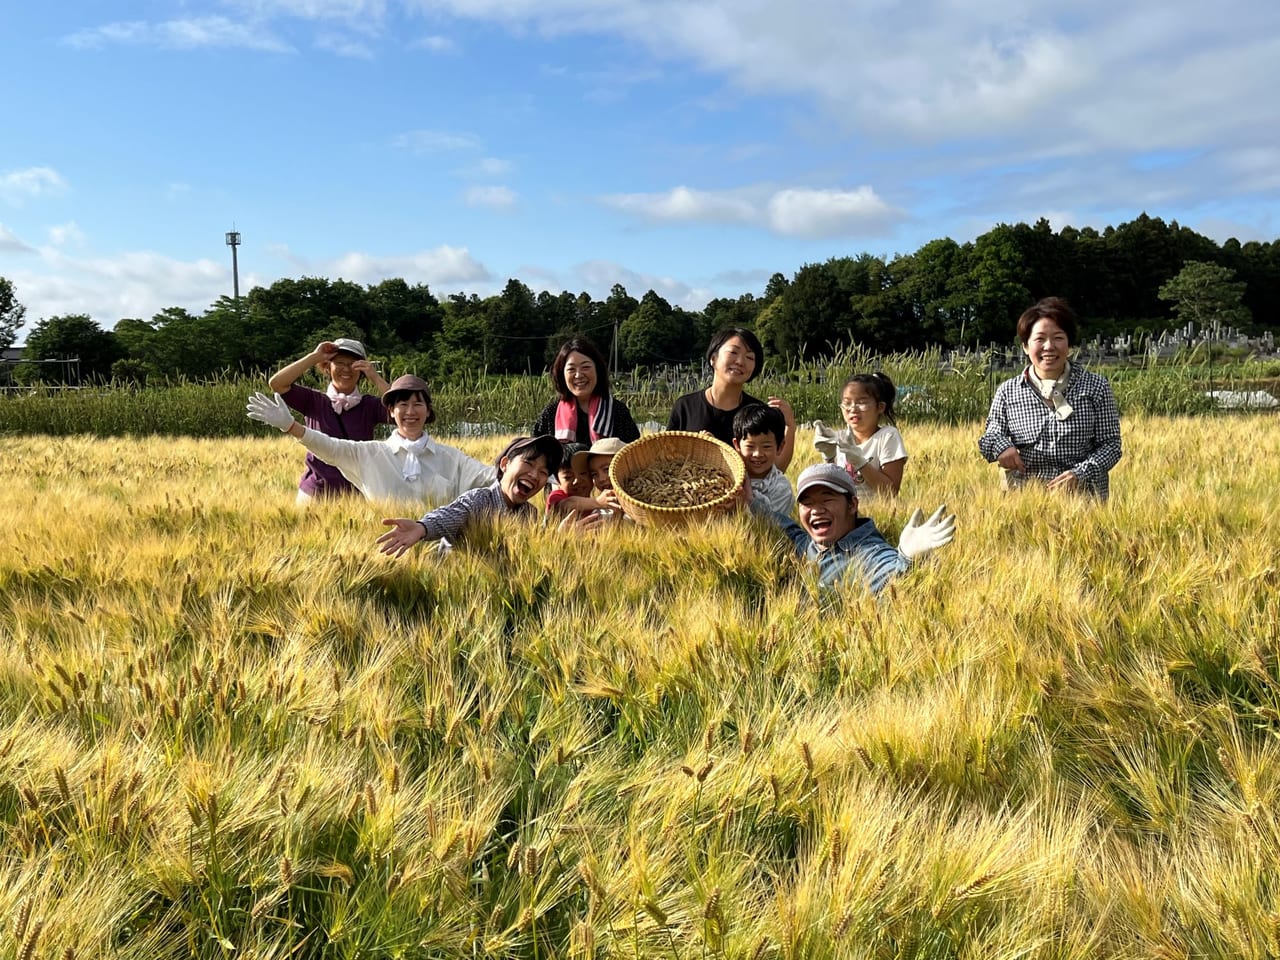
pixel 340 411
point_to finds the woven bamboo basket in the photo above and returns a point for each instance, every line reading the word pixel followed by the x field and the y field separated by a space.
pixel 683 447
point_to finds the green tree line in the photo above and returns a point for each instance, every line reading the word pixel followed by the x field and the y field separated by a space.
pixel 945 294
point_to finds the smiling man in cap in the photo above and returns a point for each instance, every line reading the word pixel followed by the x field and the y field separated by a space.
pixel 843 544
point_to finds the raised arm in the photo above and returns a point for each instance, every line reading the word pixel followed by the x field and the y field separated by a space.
pixel 369 370
pixel 788 448
pixel 343 454
pixel 285 377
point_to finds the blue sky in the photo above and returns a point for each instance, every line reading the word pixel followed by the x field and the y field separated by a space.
pixel 689 146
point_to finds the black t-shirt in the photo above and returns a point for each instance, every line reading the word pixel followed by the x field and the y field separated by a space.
pixel 693 412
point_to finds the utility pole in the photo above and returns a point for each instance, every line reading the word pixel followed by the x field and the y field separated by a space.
pixel 233 241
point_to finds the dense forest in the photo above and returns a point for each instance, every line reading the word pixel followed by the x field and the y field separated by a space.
pixel 1131 278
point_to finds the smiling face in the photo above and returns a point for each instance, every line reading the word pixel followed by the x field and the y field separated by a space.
pixel 827 515
pixel 734 362
pixel 861 410
pixel 340 372
pixel 522 477
pixel 411 413
pixel 599 469
pixel 580 375
pixel 1047 348
pixel 576 483
pixel 759 452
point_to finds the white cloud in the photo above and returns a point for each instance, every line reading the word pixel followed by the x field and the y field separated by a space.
pixel 442 266
pixel 189 34
pixel 66 234
pixel 491 197
pixel 597 277
pixel 794 212
pixel 19 185
pixel 355 11
pixel 829 213
pixel 10 242
pixel 683 204
pixel 344 46
pixel 1145 74
pixel 435 141
pixel 487 167
pixel 434 43
pixel 1254 168
pixel 134 284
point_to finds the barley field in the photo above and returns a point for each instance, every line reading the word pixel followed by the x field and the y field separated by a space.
pixel 229 728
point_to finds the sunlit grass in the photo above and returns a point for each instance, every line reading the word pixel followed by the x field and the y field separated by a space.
pixel 230 727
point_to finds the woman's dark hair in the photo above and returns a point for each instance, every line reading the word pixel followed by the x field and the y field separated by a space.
pixel 588 349
pixel 755 419
pixel 750 339
pixel 879 386
pixel 1050 308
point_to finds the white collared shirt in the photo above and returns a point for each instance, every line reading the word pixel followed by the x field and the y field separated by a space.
pixel 376 470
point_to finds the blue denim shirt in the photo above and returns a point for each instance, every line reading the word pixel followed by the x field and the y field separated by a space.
pixel 862 552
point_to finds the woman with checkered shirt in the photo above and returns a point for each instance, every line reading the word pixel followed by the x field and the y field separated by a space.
pixel 1054 423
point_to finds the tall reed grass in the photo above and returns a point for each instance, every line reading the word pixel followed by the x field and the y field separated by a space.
pixel 930 392
pixel 230 728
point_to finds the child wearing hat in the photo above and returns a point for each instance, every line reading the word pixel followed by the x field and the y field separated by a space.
pixel 341 410
pixel 522 471
pixel 593 463
pixel 408 465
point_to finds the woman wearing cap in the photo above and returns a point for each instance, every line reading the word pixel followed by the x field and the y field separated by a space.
pixel 736 356
pixel 408 465
pixel 585 410
pixel 1053 423
pixel 340 411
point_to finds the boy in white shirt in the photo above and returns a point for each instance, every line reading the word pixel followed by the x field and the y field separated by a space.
pixel 758 432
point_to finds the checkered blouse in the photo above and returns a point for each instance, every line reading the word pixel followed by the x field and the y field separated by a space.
pixel 1086 443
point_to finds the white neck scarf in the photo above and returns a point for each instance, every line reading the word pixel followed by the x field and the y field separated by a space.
pixel 343 401
pixel 1054 392
pixel 411 469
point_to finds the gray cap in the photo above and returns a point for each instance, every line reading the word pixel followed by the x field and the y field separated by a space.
pixel 354 347
pixel 825 475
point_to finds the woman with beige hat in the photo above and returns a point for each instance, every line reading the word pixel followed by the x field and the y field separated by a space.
pixel 408 465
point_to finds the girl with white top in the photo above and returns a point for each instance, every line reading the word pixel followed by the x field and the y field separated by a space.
pixel 869 447
pixel 407 466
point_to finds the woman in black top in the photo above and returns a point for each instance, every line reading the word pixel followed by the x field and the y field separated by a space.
pixel 584 411
pixel 736 356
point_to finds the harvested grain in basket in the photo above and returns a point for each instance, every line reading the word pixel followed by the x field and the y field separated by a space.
pixel 678 483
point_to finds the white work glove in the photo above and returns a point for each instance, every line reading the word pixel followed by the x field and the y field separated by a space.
pixel 853 455
pixel 921 537
pixel 270 410
pixel 824 441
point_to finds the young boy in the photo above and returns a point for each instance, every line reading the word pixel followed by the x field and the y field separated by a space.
pixel 758 432
pixel 523 469
pixel 594 463
pixel 573 479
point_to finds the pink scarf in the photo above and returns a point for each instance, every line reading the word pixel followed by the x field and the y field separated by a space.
pixel 342 402
pixel 599 413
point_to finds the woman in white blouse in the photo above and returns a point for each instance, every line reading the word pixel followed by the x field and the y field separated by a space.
pixel 407 466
